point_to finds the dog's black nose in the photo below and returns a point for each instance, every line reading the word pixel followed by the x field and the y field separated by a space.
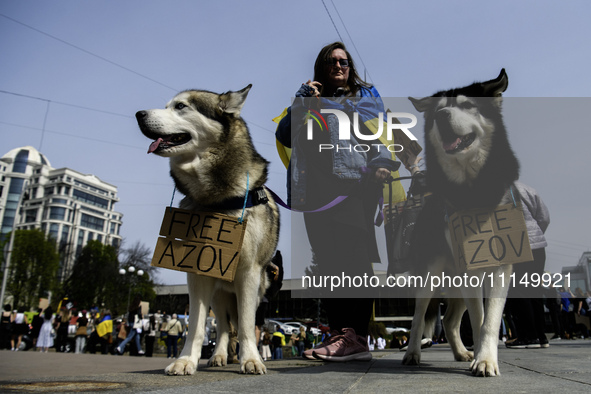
pixel 141 114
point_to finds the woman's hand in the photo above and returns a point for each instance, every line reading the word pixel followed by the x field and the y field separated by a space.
pixel 315 85
pixel 382 174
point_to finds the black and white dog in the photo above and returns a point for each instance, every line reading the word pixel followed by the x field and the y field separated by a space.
pixel 470 164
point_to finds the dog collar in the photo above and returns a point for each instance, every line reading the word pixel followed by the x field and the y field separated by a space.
pixel 449 209
pixel 254 197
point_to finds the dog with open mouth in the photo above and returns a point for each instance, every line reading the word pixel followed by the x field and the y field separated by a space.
pixel 214 163
pixel 470 164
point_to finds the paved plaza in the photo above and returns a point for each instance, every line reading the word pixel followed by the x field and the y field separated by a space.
pixel 563 367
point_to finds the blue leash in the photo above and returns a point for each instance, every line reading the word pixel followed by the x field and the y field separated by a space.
pixel 245 199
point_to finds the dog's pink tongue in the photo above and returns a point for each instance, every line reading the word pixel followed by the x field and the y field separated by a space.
pixel 451 145
pixel 154 145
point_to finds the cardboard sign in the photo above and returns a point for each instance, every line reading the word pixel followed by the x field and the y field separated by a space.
pixel 485 238
pixel 145 306
pixel 204 243
pixel 43 303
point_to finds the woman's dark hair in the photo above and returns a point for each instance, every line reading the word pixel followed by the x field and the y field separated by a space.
pixel 152 322
pixel 48 313
pixel 323 61
pixel 135 304
pixel 7 307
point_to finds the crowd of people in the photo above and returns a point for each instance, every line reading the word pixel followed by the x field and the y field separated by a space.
pixel 92 331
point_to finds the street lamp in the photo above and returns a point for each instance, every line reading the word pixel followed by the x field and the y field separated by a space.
pixel 131 270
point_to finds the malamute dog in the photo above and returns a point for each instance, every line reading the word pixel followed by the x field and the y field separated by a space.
pixel 470 164
pixel 214 164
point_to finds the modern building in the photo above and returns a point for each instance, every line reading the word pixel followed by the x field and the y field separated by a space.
pixel 71 207
pixel 579 276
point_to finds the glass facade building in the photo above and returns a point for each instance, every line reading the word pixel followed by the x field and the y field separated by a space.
pixel 71 207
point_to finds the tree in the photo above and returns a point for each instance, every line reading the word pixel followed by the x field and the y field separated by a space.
pixel 95 278
pixel 33 267
pixel 140 257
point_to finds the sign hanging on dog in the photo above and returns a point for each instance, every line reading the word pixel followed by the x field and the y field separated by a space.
pixel 204 243
pixel 489 238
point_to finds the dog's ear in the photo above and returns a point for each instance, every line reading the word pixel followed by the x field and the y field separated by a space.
pixel 232 102
pixel 421 105
pixel 495 87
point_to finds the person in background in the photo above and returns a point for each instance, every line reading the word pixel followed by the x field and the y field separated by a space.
pixel 371 343
pixel 275 274
pixel 36 326
pixel 105 330
pixel 134 318
pixel 381 342
pixel 20 326
pixel 233 346
pixel 6 327
pixel 63 321
pixel 301 343
pixel 81 332
pixel 150 329
pixel 566 316
pixel 278 341
pixel 174 329
pixel 266 344
pixel 527 304
pixel 552 302
pixel 164 329
pixel 45 340
pixel 581 308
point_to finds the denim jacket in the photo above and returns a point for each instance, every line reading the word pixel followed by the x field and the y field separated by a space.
pixel 347 163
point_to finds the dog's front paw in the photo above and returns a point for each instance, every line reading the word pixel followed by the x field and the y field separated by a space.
pixel 485 368
pixel 217 360
pixel 464 356
pixel 253 366
pixel 182 366
pixel 411 358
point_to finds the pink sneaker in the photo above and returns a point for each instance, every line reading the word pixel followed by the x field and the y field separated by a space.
pixel 347 347
pixel 309 354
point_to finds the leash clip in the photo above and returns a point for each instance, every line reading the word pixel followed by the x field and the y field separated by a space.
pixel 259 197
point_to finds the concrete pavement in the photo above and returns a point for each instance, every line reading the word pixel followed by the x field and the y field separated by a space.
pixel 565 366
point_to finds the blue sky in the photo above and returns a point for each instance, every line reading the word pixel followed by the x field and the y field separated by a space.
pixel 99 62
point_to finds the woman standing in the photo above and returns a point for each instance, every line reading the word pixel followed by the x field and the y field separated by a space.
pixel 301 341
pixel 266 344
pixel 62 331
pixel 81 333
pixel 45 340
pixel 150 328
pixel 20 326
pixel 6 327
pixel 342 237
